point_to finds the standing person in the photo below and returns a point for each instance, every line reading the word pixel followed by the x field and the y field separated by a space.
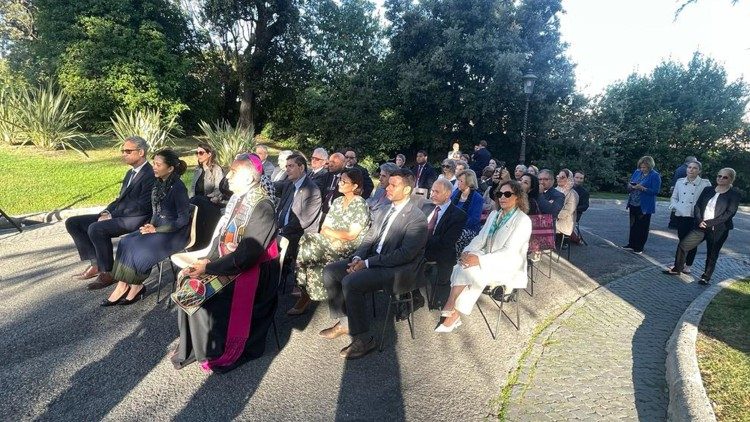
pixel 232 326
pixel 643 187
pixel 268 167
pixel 206 194
pixel 685 195
pixel 424 173
pixel 166 234
pixel 351 162
pixel 93 234
pixel 714 211
pixel 481 158
pixel 342 232
pixel 679 173
pixel 336 164
pixel 318 168
pixel 392 248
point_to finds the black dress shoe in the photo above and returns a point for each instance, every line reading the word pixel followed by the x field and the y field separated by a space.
pixel 704 281
pixel 358 348
pixel 136 298
pixel 106 302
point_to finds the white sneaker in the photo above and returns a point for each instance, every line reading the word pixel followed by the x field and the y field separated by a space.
pixel 686 270
pixel 445 329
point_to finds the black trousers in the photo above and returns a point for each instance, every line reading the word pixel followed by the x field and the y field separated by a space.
pixel 208 216
pixel 639 225
pixel 346 292
pixel 715 239
pixel 93 238
pixel 684 226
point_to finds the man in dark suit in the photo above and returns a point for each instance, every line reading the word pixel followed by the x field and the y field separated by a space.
pixel 299 208
pixel 550 194
pixel 351 162
pixel 93 234
pixel 318 170
pixel 392 250
pixel 445 222
pixel 481 157
pixel 423 172
pixel 336 164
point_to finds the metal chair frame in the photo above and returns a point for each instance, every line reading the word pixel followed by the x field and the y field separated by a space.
pixel 283 244
pixel 513 296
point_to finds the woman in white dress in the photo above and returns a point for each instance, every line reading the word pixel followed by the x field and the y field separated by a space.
pixel 496 256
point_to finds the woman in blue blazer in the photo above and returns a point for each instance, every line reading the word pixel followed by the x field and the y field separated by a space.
pixel 167 233
pixel 643 187
pixel 471 202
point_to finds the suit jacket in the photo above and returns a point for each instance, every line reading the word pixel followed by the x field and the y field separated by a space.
pixel 134 200
pixel 304 216
pixel 556 198
pixel 268 168
pixel 504 263
pixel 378 199
pixel 481 160
pixel 404 243
pixel 278 174
pixel 426 178
pixel 441 245
pixel 726 207
pixel 583 201
pixel 330 191
pixel 319 179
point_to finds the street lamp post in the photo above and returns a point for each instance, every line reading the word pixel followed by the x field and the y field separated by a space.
pixel 528 89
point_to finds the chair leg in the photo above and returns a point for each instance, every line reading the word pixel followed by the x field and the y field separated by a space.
pixel 158 286
pixel 518 310
pixel 174 284
pixel 276 334
pixel 411 315
pixel 497 324
pixel 385 325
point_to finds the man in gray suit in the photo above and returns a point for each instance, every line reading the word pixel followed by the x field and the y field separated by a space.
pixel 391 251
pixel 299 208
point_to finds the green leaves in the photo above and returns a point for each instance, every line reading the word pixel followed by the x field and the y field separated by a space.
pixel 227 140
pixel 159 131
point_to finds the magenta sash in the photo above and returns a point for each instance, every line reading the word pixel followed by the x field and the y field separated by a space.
pixel 241 313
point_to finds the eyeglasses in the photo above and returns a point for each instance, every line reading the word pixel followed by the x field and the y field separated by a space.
pixel 721 176
pixel 317 159
pixel 200 152
pixel 128 151
pixel 506 194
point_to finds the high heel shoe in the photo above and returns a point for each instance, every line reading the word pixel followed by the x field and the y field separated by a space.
pixel 136 298
pixel 106 302
pixel 442 328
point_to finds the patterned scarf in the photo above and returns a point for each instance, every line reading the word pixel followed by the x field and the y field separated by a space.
pixel 160 190
pixel 236 217
pixel 500 220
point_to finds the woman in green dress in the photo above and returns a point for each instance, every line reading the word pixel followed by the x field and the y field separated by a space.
pixel 343 229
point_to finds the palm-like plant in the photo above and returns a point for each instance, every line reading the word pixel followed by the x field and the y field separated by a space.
pixel 10 129
pixel 227 140
pixel 45 119
pixel 148 124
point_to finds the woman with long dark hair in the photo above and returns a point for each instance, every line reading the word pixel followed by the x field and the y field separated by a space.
pixel 165 234
pixel 206 193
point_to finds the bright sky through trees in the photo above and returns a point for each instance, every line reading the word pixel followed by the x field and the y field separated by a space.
pixel 609 39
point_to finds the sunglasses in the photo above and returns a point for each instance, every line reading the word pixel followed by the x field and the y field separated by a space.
pixel 721 176
pixel 506 194
pixel 200 152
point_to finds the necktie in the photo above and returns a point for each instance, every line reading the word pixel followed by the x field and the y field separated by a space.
pixel 433 221
pixel 332 189
pixel 385 223
pixel 419 173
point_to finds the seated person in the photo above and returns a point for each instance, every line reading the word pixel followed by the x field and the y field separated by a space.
pixel 496 256
pixel 445 223
pixel 343 229
pixel 566 218
pixel 379 198
pixel 486 179
pixel 232 325
pixel 500 175
pixel 448 171
pixel 167 233
pixel 392 250
pixel 93 234
pixel 205 193
pixel 549 193
pixel 471 202
pixel 279 174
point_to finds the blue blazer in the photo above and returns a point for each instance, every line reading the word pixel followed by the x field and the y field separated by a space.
pixel 652 183
pixel 134 200
pixel 474 212
pixel 175 210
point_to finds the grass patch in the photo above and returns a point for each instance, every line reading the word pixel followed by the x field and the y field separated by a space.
pixel 723 349
pixel 620 196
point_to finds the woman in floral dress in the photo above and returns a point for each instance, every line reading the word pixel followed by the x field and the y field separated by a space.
pixel 343 229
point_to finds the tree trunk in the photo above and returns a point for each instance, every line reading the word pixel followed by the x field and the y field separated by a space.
pixel 246 120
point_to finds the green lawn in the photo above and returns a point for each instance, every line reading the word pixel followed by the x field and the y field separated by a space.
pixel 723 349
pixel 620 196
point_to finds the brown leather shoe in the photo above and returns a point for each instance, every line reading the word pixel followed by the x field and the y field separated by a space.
pixel 104 280
pixel 358 348
pixel 300 307
pixel 334 332
pixel 90 272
